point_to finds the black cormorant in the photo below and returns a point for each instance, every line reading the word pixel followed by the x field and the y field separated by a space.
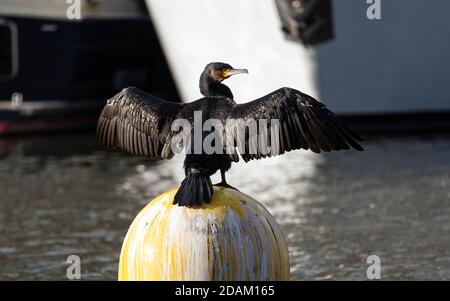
pixel 140 124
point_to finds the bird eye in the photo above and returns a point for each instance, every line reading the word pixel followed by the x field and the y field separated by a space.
pixel 224 73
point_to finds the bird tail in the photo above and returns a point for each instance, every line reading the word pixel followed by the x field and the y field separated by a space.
pixel 195 190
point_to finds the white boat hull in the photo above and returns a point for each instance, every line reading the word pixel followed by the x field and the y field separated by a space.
pixel 394 65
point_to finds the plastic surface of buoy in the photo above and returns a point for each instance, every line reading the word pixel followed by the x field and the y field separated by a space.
pixel 232 238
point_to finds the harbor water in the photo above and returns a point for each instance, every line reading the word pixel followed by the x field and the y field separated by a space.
pixel 63 195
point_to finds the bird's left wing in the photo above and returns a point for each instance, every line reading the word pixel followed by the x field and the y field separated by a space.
pixel 138 123
pixel 303 123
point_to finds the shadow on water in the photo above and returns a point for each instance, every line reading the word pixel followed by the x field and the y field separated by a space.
pixel 63 195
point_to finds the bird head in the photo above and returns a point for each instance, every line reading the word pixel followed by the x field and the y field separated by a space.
pixel 221 71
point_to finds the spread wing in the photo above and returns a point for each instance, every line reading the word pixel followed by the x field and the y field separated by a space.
pixel 138 123
pixel 303 122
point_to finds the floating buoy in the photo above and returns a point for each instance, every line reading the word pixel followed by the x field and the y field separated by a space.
pixel 232 238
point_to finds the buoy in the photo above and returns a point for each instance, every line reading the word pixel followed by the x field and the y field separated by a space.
pixel 232 238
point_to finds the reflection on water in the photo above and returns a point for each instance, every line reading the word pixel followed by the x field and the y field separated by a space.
pixel 64 195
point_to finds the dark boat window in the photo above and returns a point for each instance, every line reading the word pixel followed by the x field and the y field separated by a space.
pixel 7 49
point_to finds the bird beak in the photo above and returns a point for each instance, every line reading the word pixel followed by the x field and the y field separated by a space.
pixel 231 72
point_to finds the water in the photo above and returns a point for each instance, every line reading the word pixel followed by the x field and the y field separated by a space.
pixel 63 195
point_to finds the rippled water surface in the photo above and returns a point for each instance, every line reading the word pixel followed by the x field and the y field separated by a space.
pixel 64 195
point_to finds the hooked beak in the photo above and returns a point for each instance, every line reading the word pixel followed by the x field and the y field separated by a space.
pixel 230 72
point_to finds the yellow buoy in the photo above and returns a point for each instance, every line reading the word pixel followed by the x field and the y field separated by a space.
pixel 232 238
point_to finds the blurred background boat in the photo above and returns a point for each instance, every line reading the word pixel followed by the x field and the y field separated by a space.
pixel 56 73
pixel 381 75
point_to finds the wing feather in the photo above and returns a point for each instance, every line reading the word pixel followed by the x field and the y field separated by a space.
pixel 305 123
pixel 138 123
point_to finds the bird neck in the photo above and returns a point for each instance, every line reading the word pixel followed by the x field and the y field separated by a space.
pixel 212 88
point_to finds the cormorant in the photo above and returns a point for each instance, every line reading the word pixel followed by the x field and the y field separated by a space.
pixel 140 124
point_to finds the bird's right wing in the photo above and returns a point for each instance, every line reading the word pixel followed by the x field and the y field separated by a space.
pixel 138 123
